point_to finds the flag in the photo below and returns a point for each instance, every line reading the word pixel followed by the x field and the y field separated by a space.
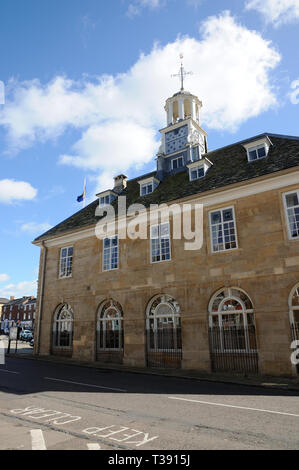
pixel 81 198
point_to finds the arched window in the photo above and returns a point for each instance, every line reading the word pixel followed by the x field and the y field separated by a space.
pixel 63 327
pixel 110 327
pixel 231 321
pixel 187 108
pixel 163 324
pixel 294 311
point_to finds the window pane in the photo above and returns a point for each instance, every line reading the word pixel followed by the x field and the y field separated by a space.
pixel 252 155
pixel 193 175
pixel 107 242
pixel 164 230
pixel 228 215
pixel 70 251
pixel 261 152
pixel 292 200
pixel 216 217
pixel 154 231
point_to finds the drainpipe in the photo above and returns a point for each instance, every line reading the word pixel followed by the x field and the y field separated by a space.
pixel 41 296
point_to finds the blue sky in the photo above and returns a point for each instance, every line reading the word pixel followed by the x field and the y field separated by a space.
pixel 85 85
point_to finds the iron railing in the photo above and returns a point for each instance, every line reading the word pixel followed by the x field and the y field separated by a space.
pixel 110 346
pixel 62 339
pixel 164 348
pixel 295 331
pixel 295 337
pixel 233 349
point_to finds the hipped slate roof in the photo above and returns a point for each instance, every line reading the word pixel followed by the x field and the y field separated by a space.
pixel 230 165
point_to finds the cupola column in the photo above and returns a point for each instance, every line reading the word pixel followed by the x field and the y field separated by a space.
pixel 193 110
pixel 170 113
pixel 181 108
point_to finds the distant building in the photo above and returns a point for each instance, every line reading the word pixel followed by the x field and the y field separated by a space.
pixel 2 303
pixel 19 312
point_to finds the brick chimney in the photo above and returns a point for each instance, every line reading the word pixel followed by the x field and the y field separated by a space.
pixel 12 297
pixel 120 183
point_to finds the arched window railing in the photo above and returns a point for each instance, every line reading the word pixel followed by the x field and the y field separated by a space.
pixel 232 331
pixel 163 326
pixel 110 327
pixel 294 311
pixel 63 326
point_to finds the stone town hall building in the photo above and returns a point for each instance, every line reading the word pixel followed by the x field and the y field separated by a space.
pixel 232 305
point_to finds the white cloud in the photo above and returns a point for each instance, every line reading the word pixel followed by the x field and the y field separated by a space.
pixel 136 6
pixel 111 140
pixel 276 11
pixel 11 191
pixel 4 278
pixel 119 116
pixel 34 227
pixel 19 290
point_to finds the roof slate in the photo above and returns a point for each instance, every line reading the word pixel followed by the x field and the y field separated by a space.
pixel 230 165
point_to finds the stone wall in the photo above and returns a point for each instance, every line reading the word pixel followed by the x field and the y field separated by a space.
pixel 265 266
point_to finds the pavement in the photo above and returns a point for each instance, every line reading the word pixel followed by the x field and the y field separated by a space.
pixel 58 406
pixel 23 347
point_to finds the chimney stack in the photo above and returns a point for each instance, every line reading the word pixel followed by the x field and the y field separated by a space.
pixel 12 297
pixel 120 183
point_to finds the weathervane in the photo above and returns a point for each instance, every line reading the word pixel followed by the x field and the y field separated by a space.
pixel 182 74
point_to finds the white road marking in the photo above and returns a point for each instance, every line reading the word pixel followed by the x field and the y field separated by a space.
pixel 37 438
pixel 233 406
pixel 94 447
pixel 9 371
pixel 85 385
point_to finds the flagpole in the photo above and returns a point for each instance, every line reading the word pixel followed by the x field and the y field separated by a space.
pixel 84 194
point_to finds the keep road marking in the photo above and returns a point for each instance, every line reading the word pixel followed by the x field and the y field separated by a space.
pixel 37 439
pixel 85 385
pixel 233 406
pixel 94 447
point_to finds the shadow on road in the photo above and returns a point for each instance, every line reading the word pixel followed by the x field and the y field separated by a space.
pixel 22 377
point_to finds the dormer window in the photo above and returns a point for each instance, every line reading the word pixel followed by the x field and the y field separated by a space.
pixel 146 189
pixel 148 185
pixel 257 149
pixel 106 198
pixel 104 201
pixel 198 169
pixel 254 153
pixel 197 173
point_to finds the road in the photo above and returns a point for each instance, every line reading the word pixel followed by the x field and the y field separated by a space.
pixel 55 406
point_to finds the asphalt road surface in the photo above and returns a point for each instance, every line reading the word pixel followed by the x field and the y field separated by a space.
pixel 53 406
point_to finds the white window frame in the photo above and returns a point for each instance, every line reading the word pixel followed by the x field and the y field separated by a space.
pixel 160 244
pixel 153 317
pixel 224 250
pixel 181 157
pixel 256 148
pixel 110 254
pixel 105 203
pixel 286 208
pixel 221 312
pixel 61 275
pixel 196 169
pixel 146 185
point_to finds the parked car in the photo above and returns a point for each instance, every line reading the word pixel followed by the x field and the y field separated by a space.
pixel 26 335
